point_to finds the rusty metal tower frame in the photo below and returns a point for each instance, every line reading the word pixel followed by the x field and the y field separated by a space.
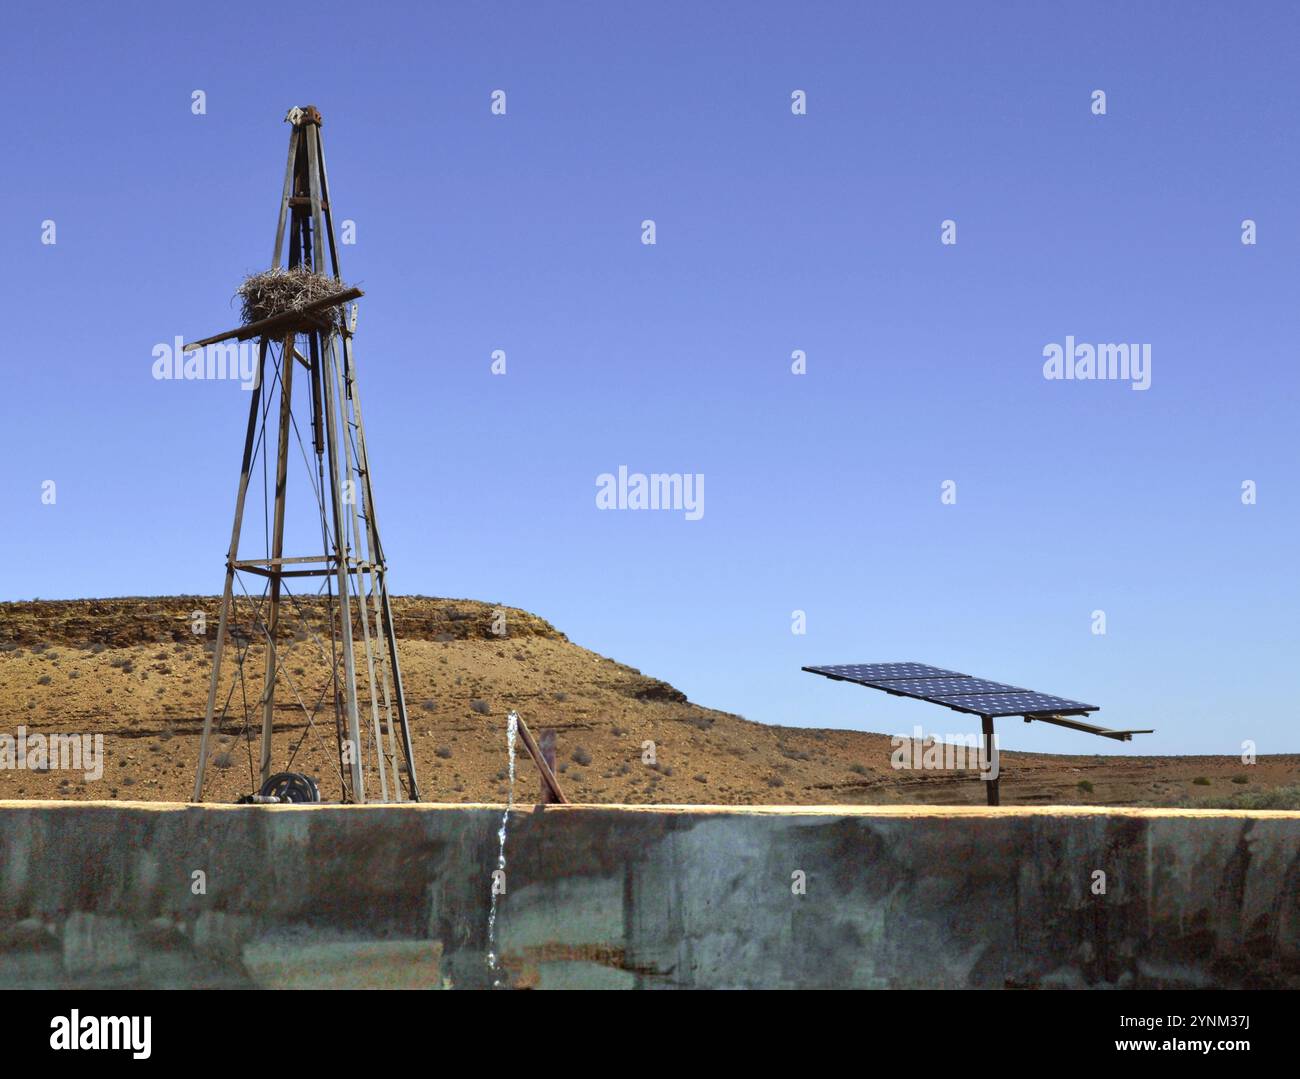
pixel 370 723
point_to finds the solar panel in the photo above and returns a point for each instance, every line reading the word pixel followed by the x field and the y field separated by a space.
pixel 952 689
pixel 867 673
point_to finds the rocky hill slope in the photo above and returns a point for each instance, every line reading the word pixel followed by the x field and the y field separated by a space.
pixel 134 671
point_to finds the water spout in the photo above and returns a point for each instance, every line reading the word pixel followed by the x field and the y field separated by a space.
pixel 499 876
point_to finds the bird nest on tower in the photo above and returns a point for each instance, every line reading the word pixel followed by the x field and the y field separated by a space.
pixel 280 292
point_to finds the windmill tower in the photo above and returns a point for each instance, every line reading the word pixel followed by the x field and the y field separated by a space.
pixel 305 664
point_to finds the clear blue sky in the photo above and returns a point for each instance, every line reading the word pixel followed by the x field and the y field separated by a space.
pixel 775 232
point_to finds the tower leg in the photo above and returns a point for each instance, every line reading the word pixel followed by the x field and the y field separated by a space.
pixel 364 554
pixel 277 552
pixel 379 592
pixel 231 556
pixel 328 354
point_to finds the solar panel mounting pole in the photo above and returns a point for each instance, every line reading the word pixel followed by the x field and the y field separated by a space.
pixel 991 785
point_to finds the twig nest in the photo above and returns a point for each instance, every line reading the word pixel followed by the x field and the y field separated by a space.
pixel 281 292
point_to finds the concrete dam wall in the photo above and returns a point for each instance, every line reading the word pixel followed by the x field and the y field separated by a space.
pixel 163 895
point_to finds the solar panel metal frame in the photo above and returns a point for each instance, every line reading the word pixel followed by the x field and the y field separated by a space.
pixel 908 680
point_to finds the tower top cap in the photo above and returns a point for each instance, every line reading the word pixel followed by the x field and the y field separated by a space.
pixel 307 114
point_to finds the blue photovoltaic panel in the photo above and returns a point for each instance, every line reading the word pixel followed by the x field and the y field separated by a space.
pixel 1019 702
pixel 875 672
pixel 942 687
pixel 952 689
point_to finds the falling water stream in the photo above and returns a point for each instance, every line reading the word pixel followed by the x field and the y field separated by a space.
pixel 512 731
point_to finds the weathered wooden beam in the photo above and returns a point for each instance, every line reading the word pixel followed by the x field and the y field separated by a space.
pixel 546 744
pixel 548 776
pixel 266 327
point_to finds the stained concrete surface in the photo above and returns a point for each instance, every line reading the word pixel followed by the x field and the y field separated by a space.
pixel 147 894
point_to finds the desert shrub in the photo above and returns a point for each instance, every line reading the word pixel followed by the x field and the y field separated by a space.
pixel 1276 798
pixel 581 755
pixel 1086 786
pixel 444 752
pixel 480 706
pixel 1200 781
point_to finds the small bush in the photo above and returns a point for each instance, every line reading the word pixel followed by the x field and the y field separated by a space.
pixel 1240 780
pixel 859 769
pixel 1200 781
pixel 581 755
pixel 444 752
pixel 44 680
pixel 1086 786
pixel 480 706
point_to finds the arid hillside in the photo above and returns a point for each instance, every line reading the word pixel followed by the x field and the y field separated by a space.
pixel 134 671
